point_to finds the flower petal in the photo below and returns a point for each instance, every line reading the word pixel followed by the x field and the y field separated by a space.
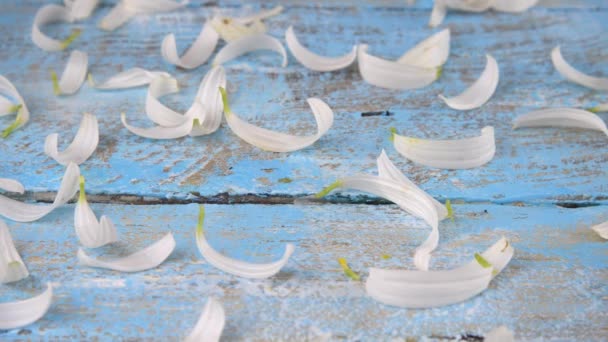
pixel 513 6
pixel 90 232
pixel 49 14
pixel 197 53
pixel 158 112
pixel 393 75
pixel 26 212
pixel 12 268
pixel 11 185
pixel 479 92
pixel 82 147
pixel 448 154
pixel 118 16
pixel 21 313
pixel 438 13
pixel 23 114
pixel 208 95
pixel 248 44
pixel 233 266
pixel 573 75
pixel 7 107
pixel 210 324
pixel 149 257
pixel 430 53
pixel 231 29
pixel 601 229
pixel 469 5
pixel 561 117
pixel 126 9
pixel 74 73
pixel 602 107
pixel 500 334
pixel 81 9
pixel 275 141
pixel 134 77
pixel 159 132
pixel 316 62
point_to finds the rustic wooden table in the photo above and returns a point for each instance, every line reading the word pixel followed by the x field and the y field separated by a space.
pixel 543 190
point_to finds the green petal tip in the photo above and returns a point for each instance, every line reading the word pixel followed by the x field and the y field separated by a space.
pixel 482 261
pixel 225 100
pixel 438 72
pixel 347 270
pixel 55 81
pixel 448 206
pixel 10 129
pixel 82 197
pixel 393 131
pixel 328 189
pixel 201 220
pixel 71 38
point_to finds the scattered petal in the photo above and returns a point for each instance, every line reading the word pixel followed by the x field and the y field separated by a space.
pixel 500 334
pixel 275 141
pixel 573 75
pixel 90 232
pixel 210 118
pixel 210 324
pixel 81 9
pixel 134 77
pixel 23 114
pixel 603 107
pixel 26 212
pixel 432 52
pixel 233 266
pixel 561 117
pixel 82 147
pixel 149 257
pixel 21 313
pixel 231 29
pixel 159 132
pixel 197 54
pixel 479 92
pixel 248 44
pixel 158 112
pixel 12 268
pixel 469 5
pixel 126 9
pixel 438 13
pixel 316 62
pixel 601 229
pixel 11 185
pixel 393 75
pixel 118 16
pixel 448 154
pixel 49 14
pixel 73 75
pixel 513 6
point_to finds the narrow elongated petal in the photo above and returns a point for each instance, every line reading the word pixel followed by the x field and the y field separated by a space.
pixel 118 16
pixel 126 9
pixel 210 324
pixel 134 77
pixel 11 185
pixel 82 147
pixel 210 98
pixel 23 114
pixel 425 289
pixel 74 74
pixel 469 5
pixel 561 117
pixel 149 257
pixel 438 13
pixel 601 229
pixel 393 75
pixel 248 44
pixel 158 112
pixel 26 212
pixel 159 132
pixel 432 52
pixel 155 6
pixel 316 62
pixel 573 75
pixel 233 266
pixel 448 154
pixel 197 54
pixel 513 6
pixel 21 313
pixel 275 141
pixel 90 232
pixel 12 268
pixel 81 9
pixel 500 334
pixel 50 14
pixel 479 92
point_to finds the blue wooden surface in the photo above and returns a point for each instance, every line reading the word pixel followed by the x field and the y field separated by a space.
pixel 554 288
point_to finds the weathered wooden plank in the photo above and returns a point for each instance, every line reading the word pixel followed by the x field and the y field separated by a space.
pixel 554 288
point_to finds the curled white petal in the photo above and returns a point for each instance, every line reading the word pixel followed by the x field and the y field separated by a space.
pixel 82 147
pixel 248 44
pixel 49 14
pixel 26 212
pixel 237 267
pixel 438 13
pixel 513 6
pixel 74 73
pixel 430 53
pixel 561 117
pixel 23 114
pixel 499 334
pixel 12 268
pixel 280 142
pixel 134 77
pixel 158 112
pixel 393 75
pixel 601 229
pixel 149 257
pixel 21 313
pixel 425 289
pixel 316 62
pixel 448 154
pixel 469 5
pixel 118 16
pixel 231 29
pixel 197 54
pixel 210 324
pixel 124 10
pixel 573 75
pixel 90 232
pixel 81 9
pixel 159 132
pixel 479 92
pixel 210 117
pixel 11 185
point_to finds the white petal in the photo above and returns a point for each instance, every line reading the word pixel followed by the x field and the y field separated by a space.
pixel 438 13
pixel 280 142
pixel 81 9
pixel 316 62
pixel 237 267
pixel 561 117
pixel 449 154
pixel 479 92
pixel 248 44
pixel 197 53
pixel 210 324
pixel 601 229
pixel 134 77
pixel 159 132
pixel 26 212
pixel 74 73
pixel 393 75
pixel 12 268
pixel 49 14
pixel 82 147
pixel 425 289
pixel 602 107
pixel 23 114
pixel 430 53
pixel 126 9
pixel 90 232
pixel 231 29
pixel 211 100
pixel 149 257
pixel 11 185
pixel 7 106
pixel 19 314
pixel 500 334
pixel 513 6
pixel 570 73
pixel 469 5
pixel 386 169
pixel 118 16
pixel 158 112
